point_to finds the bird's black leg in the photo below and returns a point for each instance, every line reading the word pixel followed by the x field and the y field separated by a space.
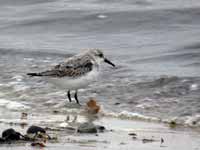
pixel 76 97
pixel 69 96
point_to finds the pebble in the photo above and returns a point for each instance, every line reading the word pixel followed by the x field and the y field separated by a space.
pixel 132 134
pixel 35 130
pixel 10 134
pixel 89 127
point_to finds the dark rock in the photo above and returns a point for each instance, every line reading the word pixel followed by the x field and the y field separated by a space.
pixel 7 132
pixel 172 124
pixel 55 111
pixel 35 130
pixel 122 143
pixel 161 140
pixel 87 128
pixel 2 140
pixel 132 134
pixel 134 137
pixel 100 128
pixel 24 115
pixel 194 122
pixel 147 140
pixel 117 103
pixel 10 134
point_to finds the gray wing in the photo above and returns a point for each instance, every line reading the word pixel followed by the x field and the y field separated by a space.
pixel 71 68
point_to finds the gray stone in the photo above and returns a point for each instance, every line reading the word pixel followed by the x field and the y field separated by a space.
pixel 87 127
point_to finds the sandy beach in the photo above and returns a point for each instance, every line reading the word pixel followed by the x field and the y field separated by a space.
pixel 120 134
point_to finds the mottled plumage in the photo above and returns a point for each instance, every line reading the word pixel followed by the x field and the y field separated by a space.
pixel 73 67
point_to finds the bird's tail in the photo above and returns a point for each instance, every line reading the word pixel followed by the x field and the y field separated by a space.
pixel 34 74
pixel 45 73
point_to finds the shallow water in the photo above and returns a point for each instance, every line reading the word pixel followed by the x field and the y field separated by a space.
pixel 154 43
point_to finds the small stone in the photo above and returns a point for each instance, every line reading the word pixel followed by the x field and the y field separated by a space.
pixel 161 140
pixel 100 128
pixel 147 140
pixel 2 140
pixel 132 134
pixel 11 134
pixel 55 111
pixel 172 124
pixel 35 130
pixel 134 137
pixel 87 128
pixel 122 143
pixel 194 122
pixel 117 103
pixel 24 115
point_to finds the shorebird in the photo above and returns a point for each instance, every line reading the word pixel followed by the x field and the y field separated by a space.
pixel 75 72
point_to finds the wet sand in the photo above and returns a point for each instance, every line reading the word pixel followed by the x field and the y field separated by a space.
pixel 148 134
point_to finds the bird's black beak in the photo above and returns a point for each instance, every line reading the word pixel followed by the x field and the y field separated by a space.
pixel 109 62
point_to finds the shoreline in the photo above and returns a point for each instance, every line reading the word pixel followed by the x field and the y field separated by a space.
pixel 148 135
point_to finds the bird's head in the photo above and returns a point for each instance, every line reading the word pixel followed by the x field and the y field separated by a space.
pixel 99 57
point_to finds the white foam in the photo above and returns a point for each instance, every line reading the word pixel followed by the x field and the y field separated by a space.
pixel 20 88
pixel 46 61
pixel 18 78
pixel 13 105
pixel 28 59
pixel 145 106
pixel 140 106
pixel 64 125
pixel 194 87
pixel 102 16
pixel 18 85
pixel 132 116
pixel 193 120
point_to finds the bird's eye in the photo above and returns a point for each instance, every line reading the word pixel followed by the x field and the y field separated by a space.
pixel 100 55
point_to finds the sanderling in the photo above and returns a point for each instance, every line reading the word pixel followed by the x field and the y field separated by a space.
pixel 75 72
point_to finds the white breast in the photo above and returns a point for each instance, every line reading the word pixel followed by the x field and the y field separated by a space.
pixel 76 83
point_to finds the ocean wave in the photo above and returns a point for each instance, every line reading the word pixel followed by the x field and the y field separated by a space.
pixel 29 54
pixel 163 80
pixel 18 78
pixel 194 64
pixel 101 16
pixel 132 116
pixel 13 105
pixel 192 46
pixel 193 121
pixel 167 57
pixel 172 85
pixel 18 83
pixel 187 121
